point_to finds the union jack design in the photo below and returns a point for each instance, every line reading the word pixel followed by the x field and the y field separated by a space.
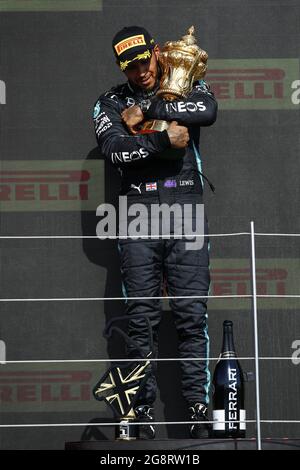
pixel 151 186
pixel 120 388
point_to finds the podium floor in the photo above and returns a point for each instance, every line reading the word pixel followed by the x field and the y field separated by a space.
pixel 186 444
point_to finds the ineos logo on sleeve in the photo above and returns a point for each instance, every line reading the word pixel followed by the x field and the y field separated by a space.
pixel 183 107
pixel 2 92
pixel 125 157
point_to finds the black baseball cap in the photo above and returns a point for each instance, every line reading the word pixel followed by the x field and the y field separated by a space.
pixel 132 43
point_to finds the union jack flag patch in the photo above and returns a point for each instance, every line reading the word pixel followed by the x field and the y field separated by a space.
pixel 151 186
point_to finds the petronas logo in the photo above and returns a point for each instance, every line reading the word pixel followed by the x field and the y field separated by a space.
pixel 120 386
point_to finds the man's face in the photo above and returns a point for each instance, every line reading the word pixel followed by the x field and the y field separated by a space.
pixel 144 73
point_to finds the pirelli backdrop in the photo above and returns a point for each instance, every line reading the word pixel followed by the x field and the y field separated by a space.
pixel 55 60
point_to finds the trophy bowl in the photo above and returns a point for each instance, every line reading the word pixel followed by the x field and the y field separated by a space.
pixel 182 63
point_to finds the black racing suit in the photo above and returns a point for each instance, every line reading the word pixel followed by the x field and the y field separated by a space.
pixel 146 264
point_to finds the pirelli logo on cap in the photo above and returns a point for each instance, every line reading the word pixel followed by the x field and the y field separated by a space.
pixel 128 43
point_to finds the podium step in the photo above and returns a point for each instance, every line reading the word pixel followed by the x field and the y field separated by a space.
pixel 186 444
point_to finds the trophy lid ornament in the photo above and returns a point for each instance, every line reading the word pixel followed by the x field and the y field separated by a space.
pixel 182 63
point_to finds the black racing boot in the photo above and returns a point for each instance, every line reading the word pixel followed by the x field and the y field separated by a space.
pixel 144 413
pixel 201 429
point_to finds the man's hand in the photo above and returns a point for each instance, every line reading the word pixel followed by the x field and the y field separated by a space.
pixel 178 135
pixel 132 116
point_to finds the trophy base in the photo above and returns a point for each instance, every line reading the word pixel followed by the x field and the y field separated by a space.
pixel 126 432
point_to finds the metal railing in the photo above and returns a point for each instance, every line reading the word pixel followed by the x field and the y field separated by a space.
pixel 254 296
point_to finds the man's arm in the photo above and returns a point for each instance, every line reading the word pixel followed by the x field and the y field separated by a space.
pixel 116 144
pixel 122 148
pixel 200 107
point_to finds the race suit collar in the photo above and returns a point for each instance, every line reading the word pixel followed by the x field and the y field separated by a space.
pixel 144 94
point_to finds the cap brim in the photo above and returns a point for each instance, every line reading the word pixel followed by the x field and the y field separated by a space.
pixel 134 55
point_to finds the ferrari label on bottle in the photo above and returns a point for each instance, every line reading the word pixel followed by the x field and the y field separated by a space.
pixel 228 397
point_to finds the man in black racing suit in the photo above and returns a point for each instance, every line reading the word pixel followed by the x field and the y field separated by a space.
pixel 149 177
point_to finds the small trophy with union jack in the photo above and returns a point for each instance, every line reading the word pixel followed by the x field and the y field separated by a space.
pixel 120 388
pixel 121 385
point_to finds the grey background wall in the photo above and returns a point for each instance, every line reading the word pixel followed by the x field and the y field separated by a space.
pixel 55 60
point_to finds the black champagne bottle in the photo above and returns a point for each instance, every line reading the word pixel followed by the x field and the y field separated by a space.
pixel 228 390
